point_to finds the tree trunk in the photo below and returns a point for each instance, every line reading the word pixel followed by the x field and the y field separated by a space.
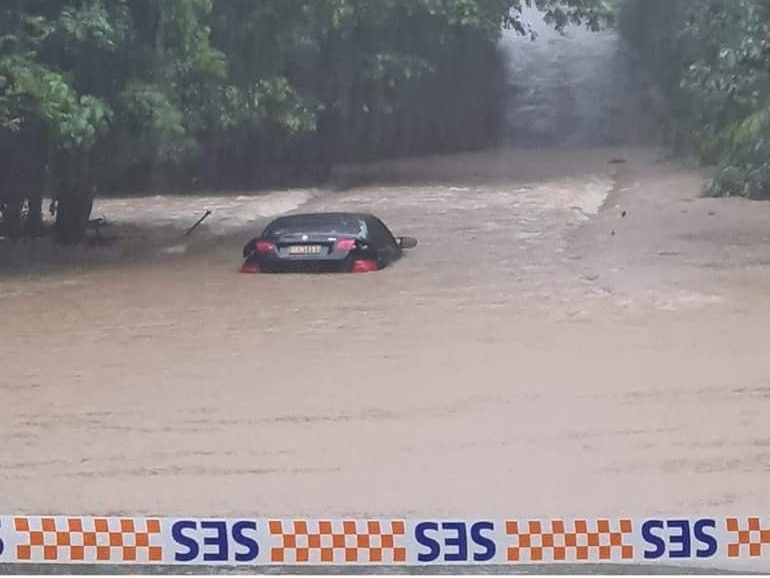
pixel 72 215
pixel 74 197
pixel 33 225
pixel 12 221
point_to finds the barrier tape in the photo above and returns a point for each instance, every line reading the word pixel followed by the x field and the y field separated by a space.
pixel 391 542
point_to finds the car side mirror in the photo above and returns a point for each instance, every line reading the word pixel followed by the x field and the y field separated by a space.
pixel 407 242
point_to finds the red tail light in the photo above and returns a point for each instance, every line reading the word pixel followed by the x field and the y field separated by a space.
pixel 345 244
pixel 364 266
pixel 250 269
pixel 264 246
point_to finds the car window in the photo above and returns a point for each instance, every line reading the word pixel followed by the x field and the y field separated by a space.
pixel 387 236
pixel 328 226
pixel 376 234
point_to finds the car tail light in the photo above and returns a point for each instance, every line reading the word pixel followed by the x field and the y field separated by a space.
pixel 250 268
pixel 264 246
pixel 345 244
pixel 364 266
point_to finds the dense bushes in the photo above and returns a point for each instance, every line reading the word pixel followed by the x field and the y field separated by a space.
pixel 711 59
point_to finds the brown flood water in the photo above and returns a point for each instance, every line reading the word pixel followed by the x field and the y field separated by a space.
pixel 523 360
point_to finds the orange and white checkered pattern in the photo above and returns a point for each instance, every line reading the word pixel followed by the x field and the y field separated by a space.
pixel 737 542
pixel 90 540
pixel 553 541
pixel 338 542
pixel 750 538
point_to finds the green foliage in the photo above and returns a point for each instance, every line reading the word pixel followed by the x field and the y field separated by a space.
pixel 714 60
pixel 92 24
pixel 35 92
pixel 593 13
pixel 132 89
pixel 156 124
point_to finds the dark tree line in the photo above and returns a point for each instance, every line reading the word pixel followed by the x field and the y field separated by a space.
pixel 138 95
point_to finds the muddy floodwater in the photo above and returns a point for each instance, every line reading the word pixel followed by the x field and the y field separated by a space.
pixel 571 337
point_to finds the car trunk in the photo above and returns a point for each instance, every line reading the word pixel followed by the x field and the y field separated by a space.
pixel 305 245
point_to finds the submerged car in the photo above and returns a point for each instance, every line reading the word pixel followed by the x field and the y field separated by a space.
pixel 324 243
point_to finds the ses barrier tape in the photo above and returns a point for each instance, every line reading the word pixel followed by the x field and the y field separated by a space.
pixel 719 541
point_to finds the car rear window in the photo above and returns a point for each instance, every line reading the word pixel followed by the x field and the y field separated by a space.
pixel 317 224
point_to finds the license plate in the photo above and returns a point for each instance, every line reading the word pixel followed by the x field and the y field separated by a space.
pixel 305 250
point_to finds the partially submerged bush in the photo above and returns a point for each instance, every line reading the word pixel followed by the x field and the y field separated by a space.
pixel 712 61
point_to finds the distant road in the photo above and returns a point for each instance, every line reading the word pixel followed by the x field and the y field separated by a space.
pixel 576 89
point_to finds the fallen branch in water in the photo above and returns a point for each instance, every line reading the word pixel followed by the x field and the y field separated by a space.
pixel 196 225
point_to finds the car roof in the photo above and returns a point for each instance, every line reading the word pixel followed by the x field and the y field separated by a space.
pixel 322 216
pixel 347 223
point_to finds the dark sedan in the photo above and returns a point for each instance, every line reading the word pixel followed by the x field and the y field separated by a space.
pixel 324 243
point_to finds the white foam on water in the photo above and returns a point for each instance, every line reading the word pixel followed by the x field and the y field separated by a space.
pixel 175 250
pixel 227 212
pixel 584 197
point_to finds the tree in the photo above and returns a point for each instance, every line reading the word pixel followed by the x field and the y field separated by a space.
pixel 43 114
pixel 713 59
